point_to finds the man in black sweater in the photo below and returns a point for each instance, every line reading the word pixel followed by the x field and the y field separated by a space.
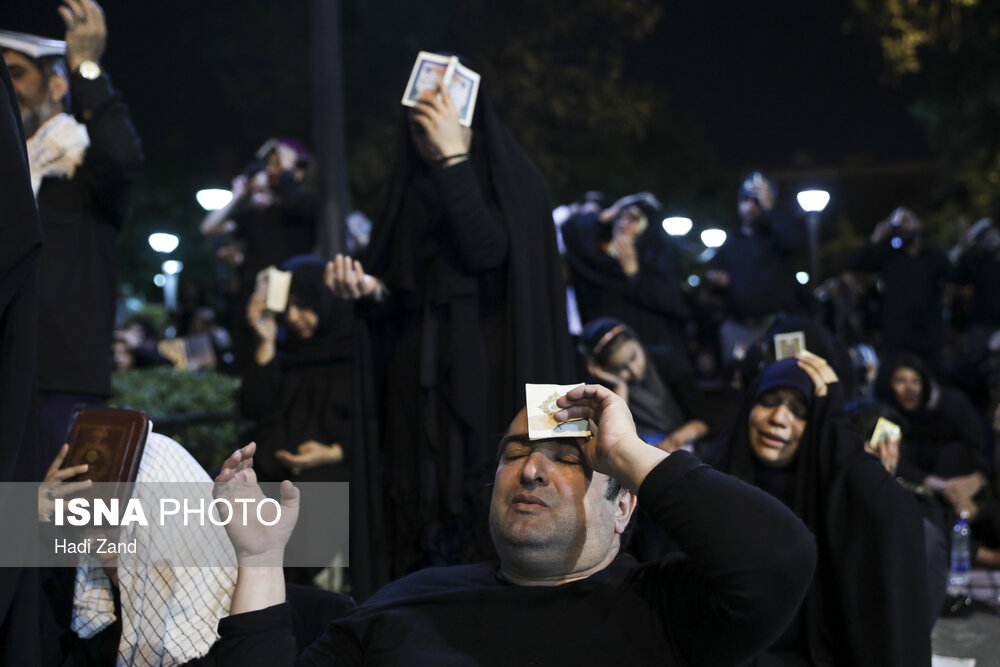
pixel 915 275
pixel 562 593
pixel 754 269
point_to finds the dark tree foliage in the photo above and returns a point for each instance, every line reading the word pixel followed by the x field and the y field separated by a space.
pixel 952 45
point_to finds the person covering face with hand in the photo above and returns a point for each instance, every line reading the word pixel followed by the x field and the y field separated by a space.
pixel 462 286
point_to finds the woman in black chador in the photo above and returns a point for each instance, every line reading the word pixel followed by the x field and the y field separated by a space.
pixel 867 605
pixel 465 303
pixel 298 386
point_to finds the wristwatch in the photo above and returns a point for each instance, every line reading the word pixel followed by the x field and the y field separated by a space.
pixel 89 70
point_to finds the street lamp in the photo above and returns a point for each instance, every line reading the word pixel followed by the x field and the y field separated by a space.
pixel 165 243
pixel 212 199
pixel 677 226
pixel 713 238
pixel 171 268
pixel 813 202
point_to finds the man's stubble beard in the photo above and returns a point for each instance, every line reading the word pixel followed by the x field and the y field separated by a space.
pixel 32 119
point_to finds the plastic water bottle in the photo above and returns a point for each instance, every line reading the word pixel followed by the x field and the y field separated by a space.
pixel 961 559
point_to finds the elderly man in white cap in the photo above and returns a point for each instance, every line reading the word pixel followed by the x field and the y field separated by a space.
pixel 83 160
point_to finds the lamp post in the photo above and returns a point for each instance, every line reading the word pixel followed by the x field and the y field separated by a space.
pixel 813 202
pixel 171 269
pixel 165 244
pixel 212 199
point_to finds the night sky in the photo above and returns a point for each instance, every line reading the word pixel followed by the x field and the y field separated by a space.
pixel 779 82
pixel 774 82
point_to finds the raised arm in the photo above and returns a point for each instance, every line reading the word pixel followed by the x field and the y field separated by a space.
pixel 476 231
pixel 749 559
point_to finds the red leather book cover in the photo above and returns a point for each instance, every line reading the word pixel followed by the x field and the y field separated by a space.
pixel 110 441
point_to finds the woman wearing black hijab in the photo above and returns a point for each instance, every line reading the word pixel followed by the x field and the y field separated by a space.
pixel 943 447
pixel 625 266
pixel 298 388
pixel 868 601
pixel 465 303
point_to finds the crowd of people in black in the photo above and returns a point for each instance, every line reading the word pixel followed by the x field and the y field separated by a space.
pixel 772 525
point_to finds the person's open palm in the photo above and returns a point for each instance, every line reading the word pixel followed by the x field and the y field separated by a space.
pixel 256 544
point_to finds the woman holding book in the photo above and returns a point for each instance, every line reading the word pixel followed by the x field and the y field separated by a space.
pixel 463 296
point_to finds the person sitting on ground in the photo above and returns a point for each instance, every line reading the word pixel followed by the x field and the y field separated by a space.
pixel 943 448
pixel 864 415
pixel 135 612
pixel 559 510
pixel 867 604
pixel 664 400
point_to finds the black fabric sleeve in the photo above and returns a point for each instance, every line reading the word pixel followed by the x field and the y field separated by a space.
pixel 260 389
pixel 652 289
pixel 477 232
pixel 298 204
pixel 115 151
pixel 881 549
pixel 263 637
pixel 787 234
pixel 676 372
pixel 869 257
pixel 963 272
pixel 749 561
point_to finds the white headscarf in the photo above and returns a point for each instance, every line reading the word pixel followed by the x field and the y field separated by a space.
pixel 169 613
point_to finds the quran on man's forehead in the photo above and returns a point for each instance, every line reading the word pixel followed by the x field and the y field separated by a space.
pixel 540 400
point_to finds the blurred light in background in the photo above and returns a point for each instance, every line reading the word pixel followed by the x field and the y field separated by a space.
pixel 713 238
pixel 213 199
pixel 677 226
pixel 813 200
pixel 165 243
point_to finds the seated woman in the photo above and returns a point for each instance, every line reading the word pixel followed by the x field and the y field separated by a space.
pixel 943 448
pixel 663 397
pixel 864 416
pixel 868 600
pixel 298 387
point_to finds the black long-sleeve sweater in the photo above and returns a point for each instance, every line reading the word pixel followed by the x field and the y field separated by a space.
pixel 748 563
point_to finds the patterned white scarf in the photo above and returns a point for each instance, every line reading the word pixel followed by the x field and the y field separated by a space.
pixel 169 612
pixel 56 149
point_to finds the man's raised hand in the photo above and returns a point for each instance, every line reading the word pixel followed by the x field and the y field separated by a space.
pixel 256 544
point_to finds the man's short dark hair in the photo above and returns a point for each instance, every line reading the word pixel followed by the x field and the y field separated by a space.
pixel 615 489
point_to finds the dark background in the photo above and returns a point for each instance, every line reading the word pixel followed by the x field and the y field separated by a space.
pixel 681 98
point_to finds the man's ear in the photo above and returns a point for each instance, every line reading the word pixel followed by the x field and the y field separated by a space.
pixel 624 506
pixel 58 87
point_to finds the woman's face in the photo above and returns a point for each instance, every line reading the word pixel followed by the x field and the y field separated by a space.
pixel 303 321
pixel 627 361
pixel 908 387
pixel 777 423
pixel 629 223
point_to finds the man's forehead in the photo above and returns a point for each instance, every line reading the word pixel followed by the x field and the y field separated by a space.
pixel 12 57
